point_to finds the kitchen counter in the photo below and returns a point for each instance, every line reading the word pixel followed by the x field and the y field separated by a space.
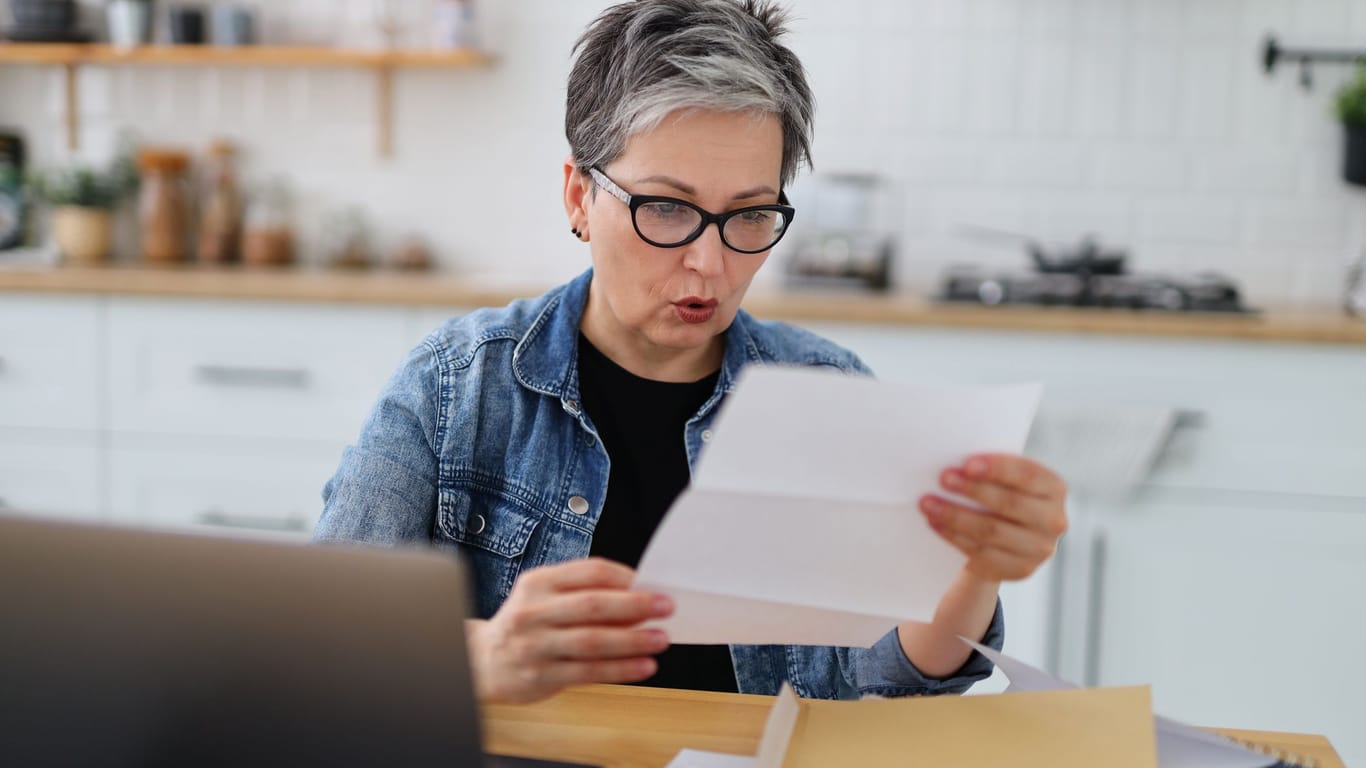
pixel 1324 325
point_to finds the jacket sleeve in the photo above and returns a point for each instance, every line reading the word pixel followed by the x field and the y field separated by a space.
pixel 385 490
pixel 884 669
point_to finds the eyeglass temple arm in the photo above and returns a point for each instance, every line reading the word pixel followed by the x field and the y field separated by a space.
pixel 607 184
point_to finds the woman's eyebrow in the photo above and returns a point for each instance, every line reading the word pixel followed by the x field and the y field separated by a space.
pixel 688 189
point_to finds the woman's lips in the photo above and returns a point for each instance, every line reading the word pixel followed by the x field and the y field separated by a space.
pixel 694 309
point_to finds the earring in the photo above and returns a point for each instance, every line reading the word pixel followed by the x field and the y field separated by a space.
pixel 576 232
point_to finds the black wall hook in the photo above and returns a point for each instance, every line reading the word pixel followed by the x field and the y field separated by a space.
pixel 1273 53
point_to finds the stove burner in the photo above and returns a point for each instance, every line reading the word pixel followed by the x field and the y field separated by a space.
pixel 1204 292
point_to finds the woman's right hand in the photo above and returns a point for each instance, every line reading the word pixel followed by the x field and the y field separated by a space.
pixel 566 625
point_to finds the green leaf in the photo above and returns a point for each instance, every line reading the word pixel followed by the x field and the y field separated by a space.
pixel 1351 99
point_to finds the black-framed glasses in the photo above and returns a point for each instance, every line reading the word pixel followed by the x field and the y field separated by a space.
pixel 667 222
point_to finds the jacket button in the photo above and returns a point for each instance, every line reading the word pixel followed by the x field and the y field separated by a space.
pixel 578 505
pixel 706 435
pixel 478 525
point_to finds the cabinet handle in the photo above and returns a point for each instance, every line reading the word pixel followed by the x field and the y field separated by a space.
pixel 246 376
pixel 221 519
pixel 1097 606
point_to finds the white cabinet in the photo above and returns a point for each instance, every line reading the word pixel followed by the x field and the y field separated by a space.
pixel 249 369
pixel 1239 610
pixel 50 384
pixel 51 473
pixel 232 415
pixel 49 362
pixel 226 485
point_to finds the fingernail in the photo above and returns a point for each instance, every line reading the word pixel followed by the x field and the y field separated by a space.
pixel 977 467
pixel 932 508
pixel 658 639
pixel 953 479
pixel 663 605
pixel 645 667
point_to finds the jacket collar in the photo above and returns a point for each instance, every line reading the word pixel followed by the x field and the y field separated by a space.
pixel 546 359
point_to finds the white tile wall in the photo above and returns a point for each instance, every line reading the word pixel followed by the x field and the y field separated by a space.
pixel 1147 122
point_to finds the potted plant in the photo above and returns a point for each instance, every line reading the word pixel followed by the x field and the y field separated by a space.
pixel 84 200
pixel 1351 109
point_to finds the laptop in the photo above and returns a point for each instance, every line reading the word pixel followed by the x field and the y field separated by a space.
pixel 122 647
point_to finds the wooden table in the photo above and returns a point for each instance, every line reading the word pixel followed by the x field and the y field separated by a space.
pixel 629 727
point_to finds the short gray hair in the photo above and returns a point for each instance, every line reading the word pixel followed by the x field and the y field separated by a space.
pixel 642 59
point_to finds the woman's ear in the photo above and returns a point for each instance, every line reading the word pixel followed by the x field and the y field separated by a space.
pixel 576 198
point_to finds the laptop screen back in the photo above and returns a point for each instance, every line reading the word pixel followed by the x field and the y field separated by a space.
pixel 123 648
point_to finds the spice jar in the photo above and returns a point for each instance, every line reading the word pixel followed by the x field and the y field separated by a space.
pixel 268 240
pixel 163 207
pixel 220 226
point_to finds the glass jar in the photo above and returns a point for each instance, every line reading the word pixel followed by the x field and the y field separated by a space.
pixel 164 205
pixel 220 226
pixel 268 240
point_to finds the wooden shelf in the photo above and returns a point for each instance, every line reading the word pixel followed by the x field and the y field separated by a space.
pixel 256 55
pixel 382 62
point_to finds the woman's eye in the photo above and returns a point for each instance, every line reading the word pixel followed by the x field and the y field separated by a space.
pixel 665 210
pixel 757 217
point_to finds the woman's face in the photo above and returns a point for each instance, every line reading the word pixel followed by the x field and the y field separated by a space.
pixel 658 303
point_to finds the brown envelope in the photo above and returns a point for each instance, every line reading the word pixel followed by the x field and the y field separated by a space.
pixel 1111 727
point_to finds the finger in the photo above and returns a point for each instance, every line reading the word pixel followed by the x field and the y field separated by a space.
pixel 973 531
pixel 995 565
pixel 1044 514
pixel 567 673
pixel 1023 474
pixel 604 644
pixel 600 606
pixel 592 573
pixel 990 563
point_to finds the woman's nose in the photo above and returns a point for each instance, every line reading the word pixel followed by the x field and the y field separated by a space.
pixel 706 255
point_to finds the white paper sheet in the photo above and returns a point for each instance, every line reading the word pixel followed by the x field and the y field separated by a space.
pixel 1178 745
pixel 801 527
pixel 692 758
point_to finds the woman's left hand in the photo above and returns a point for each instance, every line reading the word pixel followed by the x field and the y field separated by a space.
pixel 1024 519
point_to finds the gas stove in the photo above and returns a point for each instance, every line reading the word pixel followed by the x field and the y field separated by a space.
pixel 1202 292
pixel 1088 275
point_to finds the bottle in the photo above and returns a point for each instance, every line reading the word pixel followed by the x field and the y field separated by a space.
pixel 164 206
pixel 220 229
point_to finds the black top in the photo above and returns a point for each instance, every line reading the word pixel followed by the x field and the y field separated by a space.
pixel 641 424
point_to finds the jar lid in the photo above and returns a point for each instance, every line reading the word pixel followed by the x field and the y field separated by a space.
pixel 172 160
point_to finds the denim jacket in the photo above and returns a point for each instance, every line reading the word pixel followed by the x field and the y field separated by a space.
pixel 479 443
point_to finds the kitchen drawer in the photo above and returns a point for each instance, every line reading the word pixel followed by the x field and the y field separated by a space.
pixel 50 473
pixel 221 485
pixel 49 362
pixel 249 369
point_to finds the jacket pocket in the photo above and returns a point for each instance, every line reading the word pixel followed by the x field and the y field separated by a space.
pixel 492 530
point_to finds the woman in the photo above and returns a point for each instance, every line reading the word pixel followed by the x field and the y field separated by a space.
pixel 545 440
